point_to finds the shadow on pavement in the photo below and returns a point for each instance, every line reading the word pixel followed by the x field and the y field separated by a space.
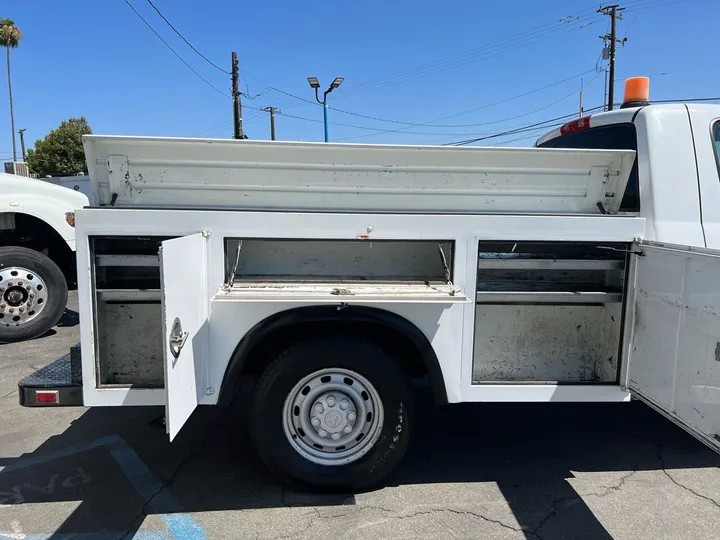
pixel 529 450
pixel 69 318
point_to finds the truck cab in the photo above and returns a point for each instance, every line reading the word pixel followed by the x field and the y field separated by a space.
pixel 37 254
pixel 674 182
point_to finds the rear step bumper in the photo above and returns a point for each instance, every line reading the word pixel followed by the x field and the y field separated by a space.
pixel 56 385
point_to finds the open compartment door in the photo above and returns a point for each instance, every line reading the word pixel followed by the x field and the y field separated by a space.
pixel 673 335
pixel 185 305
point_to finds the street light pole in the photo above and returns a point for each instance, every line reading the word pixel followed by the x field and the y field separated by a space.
pixel 325 121
pixel 314 83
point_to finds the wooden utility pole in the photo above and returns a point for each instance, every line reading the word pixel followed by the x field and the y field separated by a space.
pixel 614 12
pixel 237 106
pixel 272 111
pixel 22 143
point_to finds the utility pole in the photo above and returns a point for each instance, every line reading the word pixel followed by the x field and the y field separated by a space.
pixel 22 143
pixel 272 111
pixel 237 106
pixel 582 106
pixel 614 12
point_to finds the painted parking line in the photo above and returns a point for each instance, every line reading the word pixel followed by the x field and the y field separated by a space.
pixel 182 526
pixel 139 535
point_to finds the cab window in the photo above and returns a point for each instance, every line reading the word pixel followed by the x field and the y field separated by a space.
pixel 612 137
pixel 716 141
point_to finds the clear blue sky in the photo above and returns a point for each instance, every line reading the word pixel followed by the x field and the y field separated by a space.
pixel 409 61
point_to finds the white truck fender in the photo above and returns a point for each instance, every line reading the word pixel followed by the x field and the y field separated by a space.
pixel 42 200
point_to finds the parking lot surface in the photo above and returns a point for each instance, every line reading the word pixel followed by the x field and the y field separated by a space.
pixel 535 471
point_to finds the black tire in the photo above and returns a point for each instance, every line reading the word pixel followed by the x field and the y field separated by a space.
pixel 299 360
pixel 57 293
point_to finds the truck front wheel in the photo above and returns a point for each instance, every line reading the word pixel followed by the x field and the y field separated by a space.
pixel 33 294
pixel 331 414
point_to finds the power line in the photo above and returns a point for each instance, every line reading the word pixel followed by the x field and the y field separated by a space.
pixel 432 124
pixel 521 129
pixel 213 64
pixel 526 37
pixel 551 121
pixel 175 52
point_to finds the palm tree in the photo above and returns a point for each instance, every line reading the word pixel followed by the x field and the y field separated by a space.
pixel 10 36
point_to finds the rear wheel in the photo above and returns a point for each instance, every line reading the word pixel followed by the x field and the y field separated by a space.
pixel 33 294
pixel 331 414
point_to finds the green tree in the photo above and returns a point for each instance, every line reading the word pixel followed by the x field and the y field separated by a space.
pixel 61 151
pixel 10 36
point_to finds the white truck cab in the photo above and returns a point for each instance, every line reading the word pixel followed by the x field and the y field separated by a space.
pixel 37 254
pixel 331 274
pixel 675 182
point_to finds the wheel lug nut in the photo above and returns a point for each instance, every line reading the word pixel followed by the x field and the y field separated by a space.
pixel 351 417
pixel 11 310
pixel 315 421
pixel 322 433
pixel 347 429
pixel 20 282
pixel 319 409
pixel 10 284
pixel 335 436
pixel 344 404
pixel 21 310
pixel 331 401
pixel 28 287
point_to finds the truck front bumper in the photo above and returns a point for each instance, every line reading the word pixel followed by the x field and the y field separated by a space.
pixel 56 385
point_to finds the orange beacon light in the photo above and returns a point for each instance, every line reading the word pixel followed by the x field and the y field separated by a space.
pixel 637 92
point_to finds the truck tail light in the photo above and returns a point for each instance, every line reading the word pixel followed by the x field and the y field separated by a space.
pixel 576 125
pixel 637 92
pixel 50 396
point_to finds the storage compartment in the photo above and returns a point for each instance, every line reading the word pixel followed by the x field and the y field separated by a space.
pixel 129 344
pixel 339 271
pixel 548 312
pixel 546 343
pixel 333 260
pixel 128 311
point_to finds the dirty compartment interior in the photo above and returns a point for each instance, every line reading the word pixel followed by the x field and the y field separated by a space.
pixel 127 303
pixel 548 312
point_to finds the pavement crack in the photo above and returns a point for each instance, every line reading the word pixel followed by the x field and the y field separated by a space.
pixel 554 509
pixel 611 489
pixel 442 510
pixel 691 490
pixel 130 528
pixel 663 468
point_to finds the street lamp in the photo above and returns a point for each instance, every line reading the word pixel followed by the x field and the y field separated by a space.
pixel 314 83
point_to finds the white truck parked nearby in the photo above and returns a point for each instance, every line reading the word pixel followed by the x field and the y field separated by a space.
pixel 334 273
pixel 37 254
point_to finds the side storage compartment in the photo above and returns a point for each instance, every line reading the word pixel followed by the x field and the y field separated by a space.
pixel 548 312
pixel 332 271
pixel 128 311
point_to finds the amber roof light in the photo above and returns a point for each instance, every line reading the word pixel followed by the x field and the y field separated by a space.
pixel 637 92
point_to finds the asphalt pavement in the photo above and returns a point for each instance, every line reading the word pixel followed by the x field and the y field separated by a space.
pixel 490 471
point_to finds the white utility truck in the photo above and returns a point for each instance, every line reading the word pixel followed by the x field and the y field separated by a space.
pixel 334 273
pixel 37 254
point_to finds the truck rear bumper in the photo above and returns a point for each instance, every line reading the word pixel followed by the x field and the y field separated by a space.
pixel 58 384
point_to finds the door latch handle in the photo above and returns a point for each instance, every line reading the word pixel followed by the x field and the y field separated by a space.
pixel 177 339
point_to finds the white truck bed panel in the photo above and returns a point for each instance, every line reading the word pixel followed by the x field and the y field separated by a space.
pixel 265 175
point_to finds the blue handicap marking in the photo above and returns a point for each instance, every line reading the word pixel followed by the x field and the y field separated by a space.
pixel 181 526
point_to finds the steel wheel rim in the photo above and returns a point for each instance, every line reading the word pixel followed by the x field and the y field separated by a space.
pixel 333 416
pixel 23 296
